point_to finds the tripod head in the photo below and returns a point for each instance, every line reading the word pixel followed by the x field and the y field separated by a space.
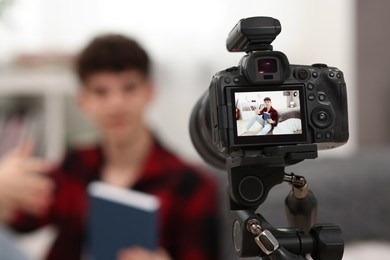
pixel 252 173
pixel 250 178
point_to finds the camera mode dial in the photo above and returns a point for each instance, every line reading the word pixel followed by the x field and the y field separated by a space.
pixel 320 65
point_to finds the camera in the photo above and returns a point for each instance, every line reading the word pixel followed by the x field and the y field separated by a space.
pixel 265 101
pixel 255 119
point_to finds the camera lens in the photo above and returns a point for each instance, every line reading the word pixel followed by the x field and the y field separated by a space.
pixel 266 66
pixel 322 117
pixel 201 136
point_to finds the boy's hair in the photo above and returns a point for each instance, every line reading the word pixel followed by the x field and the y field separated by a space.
pixel 267 99
pixel 112 53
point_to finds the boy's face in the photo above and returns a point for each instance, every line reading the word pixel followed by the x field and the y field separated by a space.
pixel 116 101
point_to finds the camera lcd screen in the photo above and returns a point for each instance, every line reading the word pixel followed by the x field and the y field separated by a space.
pixel 269 115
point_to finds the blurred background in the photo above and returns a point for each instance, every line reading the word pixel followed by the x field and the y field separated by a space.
pixel 38 40
pixel 186 40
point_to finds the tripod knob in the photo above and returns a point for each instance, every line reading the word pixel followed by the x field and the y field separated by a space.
pixel 301 212
pixel 328 242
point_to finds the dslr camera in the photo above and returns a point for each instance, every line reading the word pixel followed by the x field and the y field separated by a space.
pixel 255 119
pixel 266 101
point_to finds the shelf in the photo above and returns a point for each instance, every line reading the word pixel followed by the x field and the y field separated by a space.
pixel 51 87
pixel 39 82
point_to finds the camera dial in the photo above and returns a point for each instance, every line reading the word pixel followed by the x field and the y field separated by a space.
pixel 322 117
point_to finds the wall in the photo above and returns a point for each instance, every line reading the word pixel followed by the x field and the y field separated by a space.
pixel 373 62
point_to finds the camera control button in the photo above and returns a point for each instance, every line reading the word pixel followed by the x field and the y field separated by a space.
pixel 319 65
pixel 315 74
pixel 232 69
pixel 301 74
pixel 338 75
pixel 318 135
pixel 321 97
pixel 227 80
pixel 328 135
pixel 310 86
pixel 322 117
pixel 311 97
pixel 236 79
pixel 331 74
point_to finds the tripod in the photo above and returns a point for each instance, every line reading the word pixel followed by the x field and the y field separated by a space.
pixel 251 175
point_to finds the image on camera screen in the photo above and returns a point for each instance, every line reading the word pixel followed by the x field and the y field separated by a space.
pixel 268 113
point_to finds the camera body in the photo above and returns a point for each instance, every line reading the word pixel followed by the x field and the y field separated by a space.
pixel 267 102
pixel 310 101
pixel 316 93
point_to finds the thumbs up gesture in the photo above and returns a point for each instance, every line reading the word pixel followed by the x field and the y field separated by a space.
pixel 24 184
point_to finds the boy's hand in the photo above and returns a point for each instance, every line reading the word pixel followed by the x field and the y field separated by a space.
pixel 270 121
pixel 23 184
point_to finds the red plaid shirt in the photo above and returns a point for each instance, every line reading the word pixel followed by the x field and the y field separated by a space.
pixel 188 214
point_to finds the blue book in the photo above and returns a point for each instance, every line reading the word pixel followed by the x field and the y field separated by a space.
pixel 119 218
pixel 266 115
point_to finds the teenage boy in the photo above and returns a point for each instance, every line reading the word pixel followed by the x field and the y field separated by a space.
pixel 116 90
